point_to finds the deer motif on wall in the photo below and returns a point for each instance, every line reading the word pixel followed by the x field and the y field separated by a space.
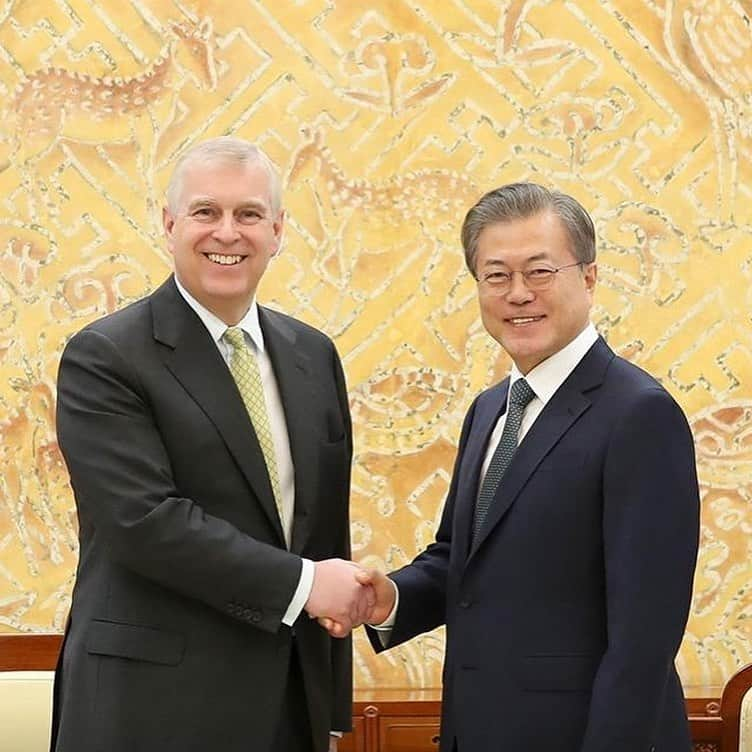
pixel 55 104
pixel 366 231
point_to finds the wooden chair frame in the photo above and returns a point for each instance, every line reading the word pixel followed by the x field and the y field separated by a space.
pixel 29 652
pixel 731 705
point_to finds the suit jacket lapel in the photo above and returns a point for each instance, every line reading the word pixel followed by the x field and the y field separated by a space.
pixel 561 412
pixel 194 359
pixel 293 373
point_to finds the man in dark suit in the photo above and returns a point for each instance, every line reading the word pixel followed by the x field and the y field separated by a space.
pixel 563 562
pixel 208 442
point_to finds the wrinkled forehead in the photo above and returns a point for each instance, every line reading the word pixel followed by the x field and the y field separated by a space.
pixel 225 182
pixel 523 240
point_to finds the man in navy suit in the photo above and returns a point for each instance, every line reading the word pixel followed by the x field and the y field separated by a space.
pixel 565 600
pixel 210 530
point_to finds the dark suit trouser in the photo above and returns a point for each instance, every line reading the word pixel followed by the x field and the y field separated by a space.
pixel 294 729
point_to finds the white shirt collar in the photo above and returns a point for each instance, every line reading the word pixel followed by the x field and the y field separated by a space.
pixel 546 378
pixel 249 323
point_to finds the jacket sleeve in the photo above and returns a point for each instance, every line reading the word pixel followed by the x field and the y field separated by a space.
pixel 126 496
pixel 650 538
pixel 422 584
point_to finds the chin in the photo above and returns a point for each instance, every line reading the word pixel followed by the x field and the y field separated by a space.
pixel 229 293
pixel 519 347
pixel 527 359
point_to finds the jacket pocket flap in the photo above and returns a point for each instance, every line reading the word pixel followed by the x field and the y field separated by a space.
pixel 135 642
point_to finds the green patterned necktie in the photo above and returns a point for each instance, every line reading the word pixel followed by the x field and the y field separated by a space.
pixel 520 396
pixel 244 369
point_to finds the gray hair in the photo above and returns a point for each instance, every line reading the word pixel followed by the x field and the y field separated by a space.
pixel 224 150
pixel 523 200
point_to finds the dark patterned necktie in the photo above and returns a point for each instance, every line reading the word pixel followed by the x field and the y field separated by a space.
pixel 519 397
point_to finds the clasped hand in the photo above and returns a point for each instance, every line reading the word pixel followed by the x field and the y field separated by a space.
pixel 344 596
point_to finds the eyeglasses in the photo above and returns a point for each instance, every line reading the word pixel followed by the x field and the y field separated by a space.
pixel 537 278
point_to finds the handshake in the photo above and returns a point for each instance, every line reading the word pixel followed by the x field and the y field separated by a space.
pixel 344 596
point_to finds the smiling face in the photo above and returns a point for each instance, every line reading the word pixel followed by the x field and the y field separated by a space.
pixel 532 325
pixel 222 233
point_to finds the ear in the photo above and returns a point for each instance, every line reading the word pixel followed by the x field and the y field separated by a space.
pixel 591 276
pixel 168 222
pixel 278 227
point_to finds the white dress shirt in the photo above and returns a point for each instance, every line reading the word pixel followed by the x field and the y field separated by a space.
pixel 255 340
pixel 545 380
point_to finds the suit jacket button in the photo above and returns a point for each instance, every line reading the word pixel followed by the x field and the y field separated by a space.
pixel 255 615
pixel 466 603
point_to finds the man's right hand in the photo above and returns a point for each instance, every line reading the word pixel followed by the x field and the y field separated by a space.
pixel 337 595
pixel 384 596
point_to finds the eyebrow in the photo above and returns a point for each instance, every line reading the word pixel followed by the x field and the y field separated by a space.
pixel 206 201
pixel 542 256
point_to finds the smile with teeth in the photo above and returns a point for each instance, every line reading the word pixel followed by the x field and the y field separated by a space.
pixel 522 320
pixel 223 259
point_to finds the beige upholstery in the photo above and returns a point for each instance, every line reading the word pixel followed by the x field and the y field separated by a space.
pixel 25 710
pixel 745 723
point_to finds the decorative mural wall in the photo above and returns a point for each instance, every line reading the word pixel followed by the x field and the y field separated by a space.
pixel 388 119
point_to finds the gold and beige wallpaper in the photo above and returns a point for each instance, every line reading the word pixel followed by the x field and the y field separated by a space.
pixel 387 119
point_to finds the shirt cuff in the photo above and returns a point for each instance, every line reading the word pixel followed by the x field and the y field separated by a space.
pixel 338 734
pixel 388 623
pixel 301 594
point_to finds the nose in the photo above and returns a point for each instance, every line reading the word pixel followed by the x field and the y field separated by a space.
pixel 225 230
pixel 518 291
